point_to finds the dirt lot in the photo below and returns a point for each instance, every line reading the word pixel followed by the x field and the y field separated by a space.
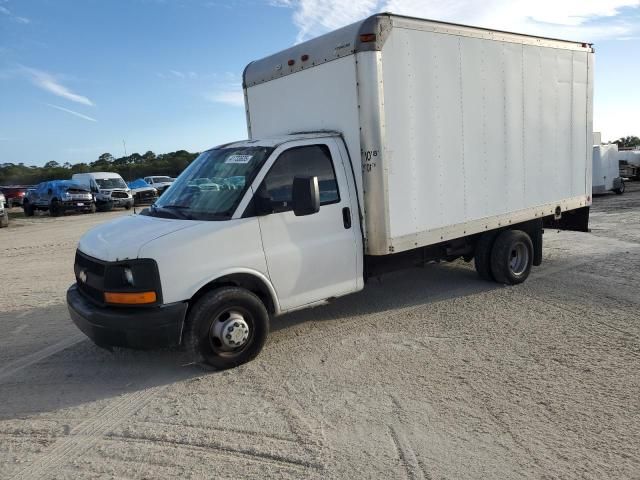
pixel 429 373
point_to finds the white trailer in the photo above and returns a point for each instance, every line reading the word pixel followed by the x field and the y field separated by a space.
pixel 606 172
pixel 389 143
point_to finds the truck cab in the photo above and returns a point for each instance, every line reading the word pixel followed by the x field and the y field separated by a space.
pixel 271 226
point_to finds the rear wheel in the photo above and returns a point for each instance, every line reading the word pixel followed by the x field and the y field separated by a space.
pixel 512 257
pixel 226 328
pixel 4 220
pixel 482 255
pixel 620 189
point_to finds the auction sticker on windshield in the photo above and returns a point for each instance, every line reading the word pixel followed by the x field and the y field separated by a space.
pixel 239 159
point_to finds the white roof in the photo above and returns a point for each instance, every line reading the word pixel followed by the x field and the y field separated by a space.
pixel 280 139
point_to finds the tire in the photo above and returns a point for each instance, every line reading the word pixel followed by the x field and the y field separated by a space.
pixel 105 207
pixel 92 209
pixel 482 255
pixel 4 220
pixel 223 307
pixel 128 206
pixel 54 208
pixel 28 209
pixel 620 190
pixel 512 257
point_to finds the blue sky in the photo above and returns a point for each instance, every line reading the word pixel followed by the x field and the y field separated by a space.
pixel 79 76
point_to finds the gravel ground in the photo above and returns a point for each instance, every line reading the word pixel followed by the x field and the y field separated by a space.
pixel 428 373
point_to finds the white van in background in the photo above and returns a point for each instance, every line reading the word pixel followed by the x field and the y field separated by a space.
pixel 109 189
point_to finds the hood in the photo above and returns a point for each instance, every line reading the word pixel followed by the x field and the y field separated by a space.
pixel 123 238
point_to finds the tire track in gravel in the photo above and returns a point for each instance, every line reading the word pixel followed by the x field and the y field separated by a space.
pixel 21 363
pixel 88 433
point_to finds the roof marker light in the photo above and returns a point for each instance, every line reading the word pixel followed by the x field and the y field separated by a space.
pixel 304 57
pixel 368 37
pixel 291 62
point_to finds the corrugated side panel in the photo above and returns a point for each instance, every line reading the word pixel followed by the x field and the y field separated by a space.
pixel 321 98
pixel 478 129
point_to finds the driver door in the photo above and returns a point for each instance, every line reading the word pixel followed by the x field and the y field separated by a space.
pixel 312 257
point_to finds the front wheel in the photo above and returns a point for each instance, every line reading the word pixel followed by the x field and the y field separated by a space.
pixel 512 257
pixel 55 210
pixel 226 328
pixel 28 209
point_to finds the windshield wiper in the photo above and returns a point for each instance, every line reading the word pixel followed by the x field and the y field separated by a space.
pixel 171 210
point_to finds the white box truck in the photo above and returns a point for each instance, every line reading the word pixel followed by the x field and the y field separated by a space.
pixel 389 143
pixel 606 171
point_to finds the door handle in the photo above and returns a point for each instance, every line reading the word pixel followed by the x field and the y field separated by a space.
pixel 346 217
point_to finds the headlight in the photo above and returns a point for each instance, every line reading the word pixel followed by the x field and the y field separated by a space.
pixel 128 276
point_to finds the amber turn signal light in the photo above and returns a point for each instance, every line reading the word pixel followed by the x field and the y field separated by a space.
pixel 137 298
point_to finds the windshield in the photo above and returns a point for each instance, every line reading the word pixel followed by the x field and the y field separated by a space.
pixel 108 183
pixel 213 185
pixel 162 179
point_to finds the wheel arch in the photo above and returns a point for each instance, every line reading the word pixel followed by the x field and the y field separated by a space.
pixel 249 279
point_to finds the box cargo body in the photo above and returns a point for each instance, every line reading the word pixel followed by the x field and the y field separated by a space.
pixel 452 130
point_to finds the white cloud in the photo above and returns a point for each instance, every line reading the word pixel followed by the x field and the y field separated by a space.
pixel 47 82
pixel 229 95
pixel 5 11
pixel 80 115
pixel 565 18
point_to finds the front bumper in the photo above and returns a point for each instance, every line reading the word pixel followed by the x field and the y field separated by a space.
pixel 77 205
pixel 140 328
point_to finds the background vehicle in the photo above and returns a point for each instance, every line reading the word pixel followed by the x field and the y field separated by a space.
pixel 606 172
pixel 143 194
pixel 159 183
pixel 14 195
pixel 386 144
pixel 109 189
pixel 4 215
pixel 629 164
pixel 58 197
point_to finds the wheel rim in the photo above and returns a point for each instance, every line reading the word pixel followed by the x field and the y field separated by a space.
pixel 519 259
pixel 231 331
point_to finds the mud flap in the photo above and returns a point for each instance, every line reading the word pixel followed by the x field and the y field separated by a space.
pixel 574 220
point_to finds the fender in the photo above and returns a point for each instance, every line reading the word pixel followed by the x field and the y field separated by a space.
pixel 244 271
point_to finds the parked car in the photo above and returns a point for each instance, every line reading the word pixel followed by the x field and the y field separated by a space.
pixel 108 188
pixel 58 197
pixel 14 195
pixel 159 183
pixel 142 192
pixel 4 215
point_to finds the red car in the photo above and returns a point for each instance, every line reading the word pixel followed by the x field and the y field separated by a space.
pixel 14 195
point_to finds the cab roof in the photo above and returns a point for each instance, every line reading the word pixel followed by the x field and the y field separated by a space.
pixel 273 142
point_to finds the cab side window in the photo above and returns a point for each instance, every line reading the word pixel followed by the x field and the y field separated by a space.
pixel 307 161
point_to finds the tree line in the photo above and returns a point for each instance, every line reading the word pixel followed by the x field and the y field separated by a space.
pixel 133 166
pixel 129 167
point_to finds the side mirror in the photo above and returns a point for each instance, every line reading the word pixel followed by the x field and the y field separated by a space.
pixel 305 196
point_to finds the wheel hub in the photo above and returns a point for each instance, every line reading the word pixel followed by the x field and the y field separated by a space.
pixel 231 329
pixel 519 259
